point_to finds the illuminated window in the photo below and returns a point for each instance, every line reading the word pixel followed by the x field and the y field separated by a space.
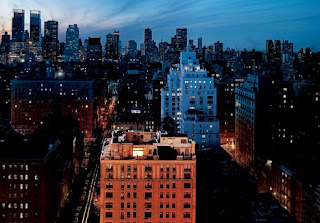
pixel 138 151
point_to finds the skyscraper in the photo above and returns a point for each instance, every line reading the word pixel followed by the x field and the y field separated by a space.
pixel 269 47
pixel 190 46
pixel 147 36
pixel 71 52
pixel 6 42
pixel 18 25
pixel 35 27
pixel 131 48
pixel 113 45
pixel 181 39
pixel 218 50
pixel 50 40
pixel 200 45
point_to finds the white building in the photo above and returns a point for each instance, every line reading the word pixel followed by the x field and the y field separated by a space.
pixel 190 98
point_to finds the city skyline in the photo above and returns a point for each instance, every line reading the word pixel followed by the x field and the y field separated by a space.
pixel 238 24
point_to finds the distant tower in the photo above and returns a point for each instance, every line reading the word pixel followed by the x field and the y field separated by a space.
pixel 50 48
pixel 35 27
pixel 200 45
pixel 218 51
pixel 131 48
pixel 147 36
pixel 190 46
pixel 71 52
pixel 181 39
pixel 18 25
pixel 269 47
pixel 6 42
pixel 112 45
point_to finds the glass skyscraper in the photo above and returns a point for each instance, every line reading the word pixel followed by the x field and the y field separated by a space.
pixel 71 52
pixel 35 27
pixel 18 25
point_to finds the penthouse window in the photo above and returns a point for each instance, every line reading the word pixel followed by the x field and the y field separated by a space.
pixel 137 151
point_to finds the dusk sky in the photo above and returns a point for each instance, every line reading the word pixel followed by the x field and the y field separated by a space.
pixel 237 23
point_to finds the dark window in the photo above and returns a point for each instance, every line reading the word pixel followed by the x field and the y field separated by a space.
pixel 148 205
pixel 147 195
pixel 109 205
pixel 109 195
pixel 187 185
pixel 147 214
pixel 108 214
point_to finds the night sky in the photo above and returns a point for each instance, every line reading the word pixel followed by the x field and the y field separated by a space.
pixel 237 23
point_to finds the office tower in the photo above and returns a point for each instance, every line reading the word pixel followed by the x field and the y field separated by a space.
pixel 50 41
pixel 18 25
pixel 148 178
pixel 5 43
pixel 93 55
pixel 131 48
pixel 37 172
pixel 35 27
pixel 269 47
pixel 147 36
pixel 190 99
pixel 182 38
pixel 112 45
pixel 200 46
pixel 149 48
pixel 26 36
pixel 32 100
pixel 277 47
pixel 287 59
pixel 71 52
pixel 218 51
pixel 190 46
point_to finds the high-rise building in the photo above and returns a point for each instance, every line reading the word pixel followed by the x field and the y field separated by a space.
pixel 50 41
pixel 200 45
pixel 18 25
pixel 269 47
pixel 190 99
pixel 131 48
pixel 218 51
pixel 93 54
pixel 113 45
pixel 148 178
pixel 5 42
pixel 180 40
pixel 71 52
pixel 190 46
pixel 287 59
pixel 147 36
pixel 32 100
pixel 35 27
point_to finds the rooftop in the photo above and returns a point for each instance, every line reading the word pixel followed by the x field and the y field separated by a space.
pixel 147 146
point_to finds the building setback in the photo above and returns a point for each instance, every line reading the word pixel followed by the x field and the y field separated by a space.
pixel 147 177
pixel 190 99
